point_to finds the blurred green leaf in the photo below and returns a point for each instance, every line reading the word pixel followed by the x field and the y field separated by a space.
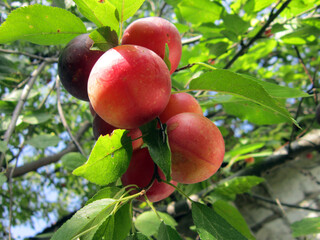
pixel 36 117
pixel 109 159
pixel 206 11
pixel 44 141
pixel 3 146
pixel 306 226
pixel 235 24
pixel 228 190
pixel 72 160
pixel 3 179
pixel 41 24
pixel 15 95
pixel 148 222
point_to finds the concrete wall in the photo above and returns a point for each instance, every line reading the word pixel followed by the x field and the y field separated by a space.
pixel 296 182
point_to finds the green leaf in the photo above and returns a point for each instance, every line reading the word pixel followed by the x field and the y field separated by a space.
pixel 72 160
pixel 199 11
pixel 157 142
pixel 108 160
pixel 229 82
pixel 129 7
pixel 104 39
pixel 235 24
pixel 166 57
pixel 6 107
pixel 119 228
pixel 148 222
pixel 101 13
pixel 15 95
pixel 107 192
pixel 3 178
pixel 245 149
pixel 254 113
pixel 234 217
pixel 41 24
pixel 306 226
pixel 278 91
pixel 303 35
pixel 137 236
pixel 208 222
pixel 261 4
pixel 82 218
pixel 167 233
pixel 44 141
pixel 36 117
pixel 228 190
pixel 3 146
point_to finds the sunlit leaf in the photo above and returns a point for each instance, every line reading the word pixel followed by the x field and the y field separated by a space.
pixel 102 13
pixel 41 25
pixel 108 160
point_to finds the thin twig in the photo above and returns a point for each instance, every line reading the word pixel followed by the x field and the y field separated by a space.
pixel 191 40
pixel 23 98
pixel 63 119
pixel 162 9
pixel 10 183
pixel 303 64
pixel 45 59
pixel 244 47
pixel 258 197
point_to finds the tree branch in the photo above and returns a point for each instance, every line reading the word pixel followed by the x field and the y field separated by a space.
pixel 45 59
pixel 64 121
pixel 23 98
pixel 244 47
pixel 33 166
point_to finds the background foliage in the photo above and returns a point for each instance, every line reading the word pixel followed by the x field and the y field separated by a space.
pixel 254 67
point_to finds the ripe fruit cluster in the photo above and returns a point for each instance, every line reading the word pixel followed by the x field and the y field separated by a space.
pixel 130 85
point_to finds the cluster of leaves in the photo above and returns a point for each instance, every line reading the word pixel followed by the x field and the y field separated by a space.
pixel 247 81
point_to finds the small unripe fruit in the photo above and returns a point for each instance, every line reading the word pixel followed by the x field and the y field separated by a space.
pixel 179 103
pixel 197 147
pixel 154 33
pixel 75 63
pixel 140 173
pixel 129 86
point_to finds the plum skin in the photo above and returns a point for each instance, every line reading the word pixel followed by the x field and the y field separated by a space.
pixel 140 173
pixel 129 86
pixel 153 33
pixel 197 147
pixel 75 63
pixel 179 103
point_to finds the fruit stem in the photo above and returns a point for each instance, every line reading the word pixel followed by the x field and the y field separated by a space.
pixel 152 207
pixel 121 22
pixel 178 189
